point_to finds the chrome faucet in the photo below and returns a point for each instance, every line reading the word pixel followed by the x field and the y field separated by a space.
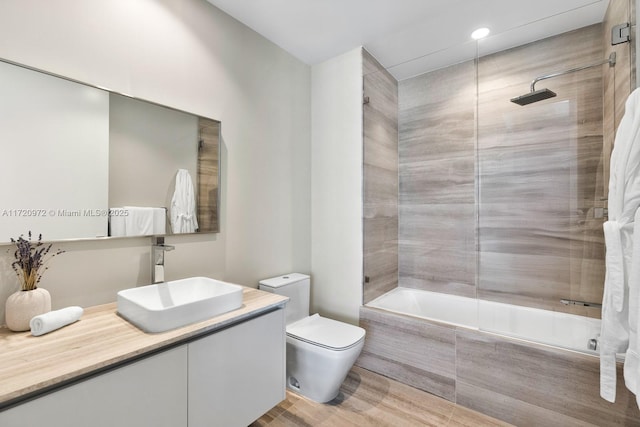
pixel 158 248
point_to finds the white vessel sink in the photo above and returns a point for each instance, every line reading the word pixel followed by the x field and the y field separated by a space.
pixel 170 305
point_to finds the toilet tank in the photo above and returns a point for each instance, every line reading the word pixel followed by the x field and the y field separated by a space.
pixel 296 286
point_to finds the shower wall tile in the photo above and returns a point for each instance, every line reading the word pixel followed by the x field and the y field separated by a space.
pixel 410 350
pixel 381 254
pixel 380 179
pixel 448 180
pixel 437 249
pixel 380 192
pixel 438 127
pixel 526 384
pixel 539 167
pixel 618 12
pixel 618 81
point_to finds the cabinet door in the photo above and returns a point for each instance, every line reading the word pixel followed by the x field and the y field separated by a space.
pixel 238 374
pixel 150 392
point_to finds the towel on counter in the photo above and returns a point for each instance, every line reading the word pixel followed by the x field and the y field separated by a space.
pixel 621 298
pixel 53 320
pixel 183 204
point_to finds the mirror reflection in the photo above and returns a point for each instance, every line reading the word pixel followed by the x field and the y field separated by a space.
pixel 81 162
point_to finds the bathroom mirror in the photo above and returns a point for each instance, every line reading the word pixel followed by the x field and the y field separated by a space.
pixel 82 162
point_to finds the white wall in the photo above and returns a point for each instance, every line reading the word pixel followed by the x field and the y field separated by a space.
pixel 336 186
pixel 189 55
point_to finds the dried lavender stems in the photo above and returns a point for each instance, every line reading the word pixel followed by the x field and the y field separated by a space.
pixel 31 259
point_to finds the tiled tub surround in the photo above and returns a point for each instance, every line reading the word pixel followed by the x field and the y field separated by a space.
pixel 563 330
pixel 437 226
pixel 539 238
pixel 380 129
pixel 498 200
pixel 517 381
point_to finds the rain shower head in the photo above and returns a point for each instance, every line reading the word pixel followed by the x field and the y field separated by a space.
pixel 535 96
pixel 539 95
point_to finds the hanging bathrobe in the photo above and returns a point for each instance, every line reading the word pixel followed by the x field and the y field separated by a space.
pixel 183 204
pixel 621 299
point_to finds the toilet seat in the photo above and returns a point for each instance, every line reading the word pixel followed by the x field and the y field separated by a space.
pixel 327 333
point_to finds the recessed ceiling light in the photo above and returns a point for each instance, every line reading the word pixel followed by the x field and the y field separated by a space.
pixel 480 33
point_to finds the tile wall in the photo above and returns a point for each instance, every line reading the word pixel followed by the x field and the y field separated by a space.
pixel 539 237
pixel 520 382
pixel 437 231
pixel 380 179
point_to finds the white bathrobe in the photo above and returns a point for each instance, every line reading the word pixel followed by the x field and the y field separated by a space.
pixel 183 204
pixel 621 300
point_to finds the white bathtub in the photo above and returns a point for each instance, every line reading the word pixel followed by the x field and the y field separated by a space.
pixel 563 330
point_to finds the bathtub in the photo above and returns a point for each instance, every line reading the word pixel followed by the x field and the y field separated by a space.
pixel 567 331
pixel 522 365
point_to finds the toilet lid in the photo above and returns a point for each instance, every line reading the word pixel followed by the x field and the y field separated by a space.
pixel 325 332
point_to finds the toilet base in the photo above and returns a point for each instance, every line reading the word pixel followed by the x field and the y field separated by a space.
pixel 316 372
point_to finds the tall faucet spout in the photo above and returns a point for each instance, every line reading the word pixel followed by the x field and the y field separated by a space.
pixel 158 248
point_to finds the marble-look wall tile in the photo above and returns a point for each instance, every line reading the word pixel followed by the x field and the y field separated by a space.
pixel 380 179
pixel 519 382
pixel 437 231
pixel 410 350
pixel 381 255
pixel 532 385
pixel 618 81
pixel 539 238
pixel 437 247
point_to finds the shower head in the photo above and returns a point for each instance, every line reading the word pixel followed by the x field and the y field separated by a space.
pixel 539 95
pixel 535 96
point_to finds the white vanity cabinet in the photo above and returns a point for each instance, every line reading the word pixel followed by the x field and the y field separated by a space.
pixel 227 378
pixel 238 374
pixel 150 392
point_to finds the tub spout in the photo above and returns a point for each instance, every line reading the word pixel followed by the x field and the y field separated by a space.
pixel 581 303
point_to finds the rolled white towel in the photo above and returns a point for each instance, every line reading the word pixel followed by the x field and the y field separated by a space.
pixel 53 320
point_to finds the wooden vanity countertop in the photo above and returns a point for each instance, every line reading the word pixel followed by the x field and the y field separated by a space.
pixel 100 339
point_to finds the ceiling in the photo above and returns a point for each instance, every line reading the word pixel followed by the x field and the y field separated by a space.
pixel 409 37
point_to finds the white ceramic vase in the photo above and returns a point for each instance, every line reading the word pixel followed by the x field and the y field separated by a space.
pixel 22 306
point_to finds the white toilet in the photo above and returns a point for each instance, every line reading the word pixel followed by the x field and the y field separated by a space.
pixel 320 351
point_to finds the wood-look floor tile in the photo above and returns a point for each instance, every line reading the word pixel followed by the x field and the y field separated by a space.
pixel 369 399
pixel 464 417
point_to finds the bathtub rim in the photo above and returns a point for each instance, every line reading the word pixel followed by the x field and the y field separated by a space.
pixel 443 323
